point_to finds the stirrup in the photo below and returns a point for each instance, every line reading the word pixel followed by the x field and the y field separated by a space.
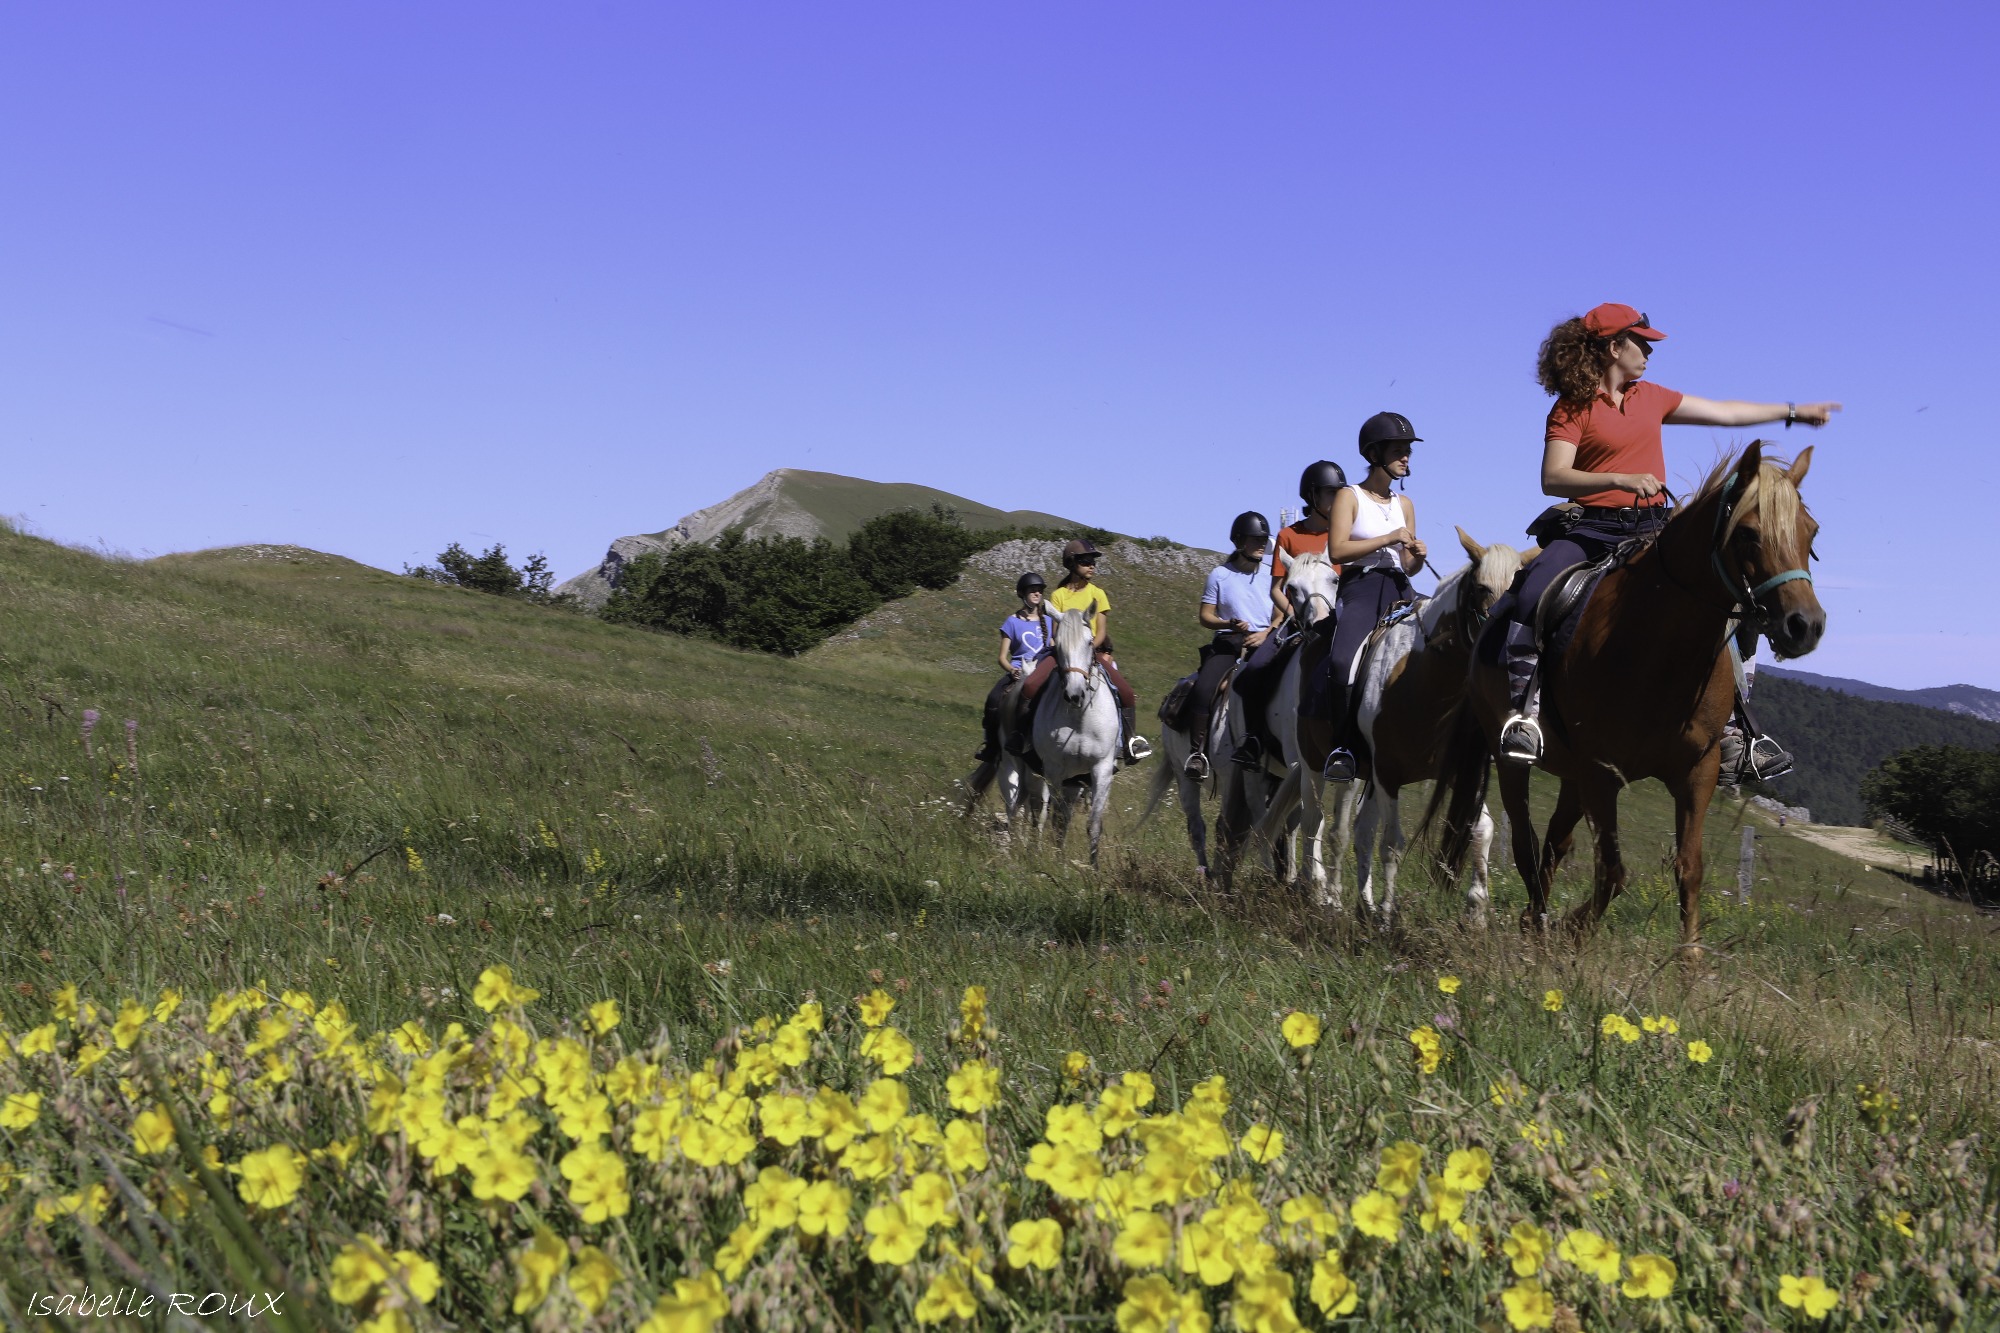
pixel 1137 748
pixel 1766 759
pixel 1339 766
pixel 1521 739
pixel 1196 766
pixel 987 752
pixel 1250 754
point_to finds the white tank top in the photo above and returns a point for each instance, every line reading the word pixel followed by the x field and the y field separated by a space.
pixel 1375 518
pixel 1372 517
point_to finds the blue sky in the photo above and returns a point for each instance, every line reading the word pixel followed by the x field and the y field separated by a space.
pixel 370 277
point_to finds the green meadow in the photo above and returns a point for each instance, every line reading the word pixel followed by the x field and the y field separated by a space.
pixel 306 775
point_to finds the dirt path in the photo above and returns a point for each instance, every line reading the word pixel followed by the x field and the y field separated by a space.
pixel 1862 844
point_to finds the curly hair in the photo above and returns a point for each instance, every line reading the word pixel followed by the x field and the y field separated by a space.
pixel 1572 362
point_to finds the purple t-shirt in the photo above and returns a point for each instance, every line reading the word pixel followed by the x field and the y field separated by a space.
pixel 1027 643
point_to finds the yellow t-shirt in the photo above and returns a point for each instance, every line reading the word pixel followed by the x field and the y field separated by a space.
pixel 1089 599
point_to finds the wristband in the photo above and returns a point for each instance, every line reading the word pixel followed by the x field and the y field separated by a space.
pixel 1791 414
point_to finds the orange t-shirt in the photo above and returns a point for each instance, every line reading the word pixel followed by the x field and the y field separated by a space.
pixel 1625 438
pixel 1293 542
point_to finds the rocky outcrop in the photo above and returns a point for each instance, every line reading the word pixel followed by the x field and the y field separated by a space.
pixel 762 510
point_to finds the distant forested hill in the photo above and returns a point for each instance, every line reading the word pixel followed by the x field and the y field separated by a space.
pixel 1837 737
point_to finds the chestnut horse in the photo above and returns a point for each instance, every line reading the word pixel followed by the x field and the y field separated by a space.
pixel 1645 687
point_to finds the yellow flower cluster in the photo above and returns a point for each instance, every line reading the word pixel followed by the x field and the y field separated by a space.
pixel 1193 1208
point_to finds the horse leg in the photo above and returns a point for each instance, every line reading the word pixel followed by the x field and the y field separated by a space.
pixel 1330 893
pixel 1477 894
pixel 1526 847
pixel 1367 827
pixel 1062 798
pixel 1197 827
pixel 1600 803
pixel 1392 852
pixel 1556 845
pixel 1100 797
pixel 1312 820
pixel 1690 814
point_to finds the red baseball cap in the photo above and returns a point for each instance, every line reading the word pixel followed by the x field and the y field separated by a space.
pixel 1611 319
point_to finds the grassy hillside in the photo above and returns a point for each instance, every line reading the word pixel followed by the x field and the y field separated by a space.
pixel 365 787
pixel 1837 737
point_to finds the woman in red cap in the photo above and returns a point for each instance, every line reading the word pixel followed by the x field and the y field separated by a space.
pixel 1603 450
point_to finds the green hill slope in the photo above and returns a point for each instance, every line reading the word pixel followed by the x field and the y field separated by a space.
pixel 839 504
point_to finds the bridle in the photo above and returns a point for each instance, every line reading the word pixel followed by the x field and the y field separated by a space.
pixel 1746 604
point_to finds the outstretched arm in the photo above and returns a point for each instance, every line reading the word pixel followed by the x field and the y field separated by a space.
pixel 1695 411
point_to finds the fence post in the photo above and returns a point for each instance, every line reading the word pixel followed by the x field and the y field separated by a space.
pixel 1746 864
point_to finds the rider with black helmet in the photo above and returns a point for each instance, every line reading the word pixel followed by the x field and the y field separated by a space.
pixel 1372 536
pixel 1318 485
pixel 1077 592
pixel 1025 639
pixel 1236 604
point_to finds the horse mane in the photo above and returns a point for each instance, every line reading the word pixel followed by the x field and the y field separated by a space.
pixel 1770 495
pixel 1072 637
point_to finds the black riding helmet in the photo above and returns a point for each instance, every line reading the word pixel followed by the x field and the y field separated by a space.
pixel 1028 581
pixel 1249 526
pixel 1322 473
pixel 1386 428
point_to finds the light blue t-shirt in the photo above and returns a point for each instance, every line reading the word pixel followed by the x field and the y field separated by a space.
pixel 1026 644
pixel 1237 596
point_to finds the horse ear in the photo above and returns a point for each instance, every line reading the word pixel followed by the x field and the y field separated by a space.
pixel 1799 466
pixel 1472 548
pixel 1530 554
pixel 1747 465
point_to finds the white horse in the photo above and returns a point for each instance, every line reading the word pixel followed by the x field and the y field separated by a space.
pixel 1411 673
pixel 1310 585
pixel 1074 731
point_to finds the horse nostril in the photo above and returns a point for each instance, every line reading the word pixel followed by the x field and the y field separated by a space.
pixel 1801 628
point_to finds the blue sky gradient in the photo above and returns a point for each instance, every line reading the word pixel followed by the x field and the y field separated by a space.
pixel 371 278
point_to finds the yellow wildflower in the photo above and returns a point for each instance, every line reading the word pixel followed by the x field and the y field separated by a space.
pixel 131 1021
pixel 947 1297
pixel 1448 984
pixel 1402 1165
pixel 39 1041
pixel 1430 1048
pixel 823 1209
pixel 1528 1306
pixel 604 1016
pixel 890 1049
pixel 1332 1290
pixel 271 1178
pixel 1527 1248
pixel 964 1147
pixel 152 1132
pixel 593 1277
pixel 1145 1241
pixel 1263 1144
pixel 1038 1243
pixel 1652 1277
pixel 1301 1029
pixel 897 1239
pixel 20 1110
pixel 1468 1170
pixel 1809 1294
pixel 1152 1305
pixel 536 1269
pixel 1592 1253
pixel 1552 1000
pixel 1207 1253
pixel 973 1087
pixel 597 1182
pixel 875 1007
pixel 697 1306
pixel 1377 1214
pixel 1699 1051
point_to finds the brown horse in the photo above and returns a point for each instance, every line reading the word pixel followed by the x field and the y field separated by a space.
pixel 1644 688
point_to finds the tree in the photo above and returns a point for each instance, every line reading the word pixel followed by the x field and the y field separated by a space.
pixel 1948 794
pixel 776 594
pixel 490 572
pixel 903 550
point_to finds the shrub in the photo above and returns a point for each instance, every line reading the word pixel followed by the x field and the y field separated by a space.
pixel 490 572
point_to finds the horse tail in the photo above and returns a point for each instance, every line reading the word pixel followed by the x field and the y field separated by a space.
pixel 1463 772
pixel 1163 780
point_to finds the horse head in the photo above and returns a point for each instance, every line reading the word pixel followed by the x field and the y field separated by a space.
pixel 1311 586
pixel 1465 597
pixel 1075 653
pixel 1761 546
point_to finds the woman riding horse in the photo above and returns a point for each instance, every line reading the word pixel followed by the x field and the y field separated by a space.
pixel 1078 593
pixel 1603 449
pixel 1026 637
pixel 1236 605
pixel 1373 537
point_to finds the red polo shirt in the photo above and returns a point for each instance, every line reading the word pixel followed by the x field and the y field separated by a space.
pixel 1621 438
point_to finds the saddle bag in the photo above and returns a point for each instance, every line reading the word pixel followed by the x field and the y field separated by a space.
pixel 1555 522
pixel 1173 708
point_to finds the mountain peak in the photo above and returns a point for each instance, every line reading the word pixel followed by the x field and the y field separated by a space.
pixel 795 502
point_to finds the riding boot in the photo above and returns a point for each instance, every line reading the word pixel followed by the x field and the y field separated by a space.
pixel 1339 765
pixel 1250 754
pixel 1521 734
pixel 1136 746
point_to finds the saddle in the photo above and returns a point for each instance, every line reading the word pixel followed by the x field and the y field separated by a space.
pixel 1173 708
pixel 1561 609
